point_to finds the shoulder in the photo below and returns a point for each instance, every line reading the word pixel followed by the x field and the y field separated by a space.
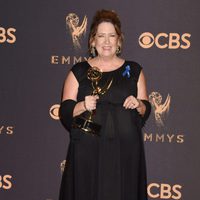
pixel 134 65
pixel 135 69
pixel 80 69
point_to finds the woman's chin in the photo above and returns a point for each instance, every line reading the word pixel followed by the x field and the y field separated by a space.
pixel 107 55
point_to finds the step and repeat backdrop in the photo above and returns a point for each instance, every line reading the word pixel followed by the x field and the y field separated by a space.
pixel 39 43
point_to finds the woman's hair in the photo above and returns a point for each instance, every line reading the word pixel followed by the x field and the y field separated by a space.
pixel 105 16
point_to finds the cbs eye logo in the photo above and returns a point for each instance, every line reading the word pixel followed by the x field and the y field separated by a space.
pixel 164 40
pixel 7 35
pixel 5 182
pixel 54 111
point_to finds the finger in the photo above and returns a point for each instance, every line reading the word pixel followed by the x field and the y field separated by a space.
pixel 132 103
pixel 90 98
pixel 126 105
pixel 128 99
pixel 96 97
pixel 86 97
pixel 89 102
pixel 93 98
pixel 135 104
pixel 128 102
pixel 93 102
pixel 92 107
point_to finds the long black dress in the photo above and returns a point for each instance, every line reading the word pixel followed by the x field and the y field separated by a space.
pixel 110 166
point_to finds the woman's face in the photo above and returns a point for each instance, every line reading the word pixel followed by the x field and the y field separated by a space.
pixel 106 40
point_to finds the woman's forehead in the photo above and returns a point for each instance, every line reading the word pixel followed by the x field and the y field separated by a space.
pixel 106 27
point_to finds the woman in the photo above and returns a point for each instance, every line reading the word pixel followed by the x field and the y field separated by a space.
pixel 110 165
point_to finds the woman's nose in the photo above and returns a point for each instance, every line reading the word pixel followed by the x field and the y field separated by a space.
pixel 107 40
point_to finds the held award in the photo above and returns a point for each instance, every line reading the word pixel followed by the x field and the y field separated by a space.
pixel 86 123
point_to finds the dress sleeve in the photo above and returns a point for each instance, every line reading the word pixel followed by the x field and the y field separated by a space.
pixel 136 71
pixel 79 71
pixel 66 113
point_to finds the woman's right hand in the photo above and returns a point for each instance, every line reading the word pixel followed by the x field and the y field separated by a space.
pixel 90 102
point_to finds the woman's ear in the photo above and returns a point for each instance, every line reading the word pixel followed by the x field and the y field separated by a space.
pixel 119 43
pixel 93 43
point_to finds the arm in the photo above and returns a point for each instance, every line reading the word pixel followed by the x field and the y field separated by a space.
pixel 69 107
pixel 142 94
pixel 144 107
pixel 70 91
pixel 141 103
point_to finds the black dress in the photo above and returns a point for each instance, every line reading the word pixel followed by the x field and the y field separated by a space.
pixel 110 166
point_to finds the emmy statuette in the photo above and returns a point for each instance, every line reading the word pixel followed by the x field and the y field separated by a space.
pixel 86 123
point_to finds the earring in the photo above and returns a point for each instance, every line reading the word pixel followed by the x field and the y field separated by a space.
pixel 93 51
pixel 118 51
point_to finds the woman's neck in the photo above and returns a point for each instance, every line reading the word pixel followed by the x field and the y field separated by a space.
pixel 106 63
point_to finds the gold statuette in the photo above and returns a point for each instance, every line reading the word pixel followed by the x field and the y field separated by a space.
pixel 86 123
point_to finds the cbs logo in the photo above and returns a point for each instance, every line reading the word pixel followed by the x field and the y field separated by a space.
pixel 54 111
pixel 164 40
pixel 5 182
pixel 7 35
pixel 164 191
pixel 9 130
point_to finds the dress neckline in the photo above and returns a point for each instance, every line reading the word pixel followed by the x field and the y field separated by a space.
pixel 110 70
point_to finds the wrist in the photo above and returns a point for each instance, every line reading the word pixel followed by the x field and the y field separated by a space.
pixel 139 103
pixel 84 106
pixel 141 107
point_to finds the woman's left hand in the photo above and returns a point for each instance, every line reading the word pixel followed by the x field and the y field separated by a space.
pixel 131 102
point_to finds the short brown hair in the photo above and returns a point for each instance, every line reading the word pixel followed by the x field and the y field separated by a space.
pixel 105 16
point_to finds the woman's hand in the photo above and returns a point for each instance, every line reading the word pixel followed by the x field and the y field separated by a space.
pixel 131 102
pixel 90 102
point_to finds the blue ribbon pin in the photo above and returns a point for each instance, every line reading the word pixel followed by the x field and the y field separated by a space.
pixel 127 71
